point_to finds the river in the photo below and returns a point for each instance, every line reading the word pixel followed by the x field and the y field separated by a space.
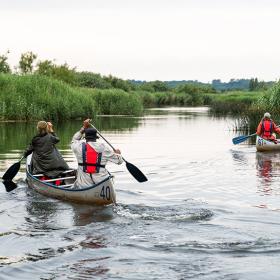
pixel 210 209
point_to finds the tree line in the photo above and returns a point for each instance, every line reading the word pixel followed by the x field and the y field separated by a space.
pixel 29 64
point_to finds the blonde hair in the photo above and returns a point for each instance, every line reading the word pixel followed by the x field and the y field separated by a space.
pixel 42 127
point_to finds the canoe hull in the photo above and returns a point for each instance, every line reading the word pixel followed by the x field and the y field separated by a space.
pixel 102 193
pixel 263 145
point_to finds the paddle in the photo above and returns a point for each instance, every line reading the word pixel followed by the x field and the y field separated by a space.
pixel 12 171
pixel 9 185
pixel 133 170
pixel 240 139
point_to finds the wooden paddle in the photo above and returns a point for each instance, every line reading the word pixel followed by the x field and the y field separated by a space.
pixel 133 170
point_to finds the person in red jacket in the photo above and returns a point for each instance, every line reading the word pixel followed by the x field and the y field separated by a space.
pixel 267 128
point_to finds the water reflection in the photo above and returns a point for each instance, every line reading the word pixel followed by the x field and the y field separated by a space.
pixel 15 136
pixel 268 168
pixel 86 214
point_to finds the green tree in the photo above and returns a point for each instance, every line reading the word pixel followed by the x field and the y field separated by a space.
pixel 26 62
pixel 60 72
pixel 4 66
pixel 159 86
pixel 91 80
pixel 253 84
pixel 64 73
pixel 45 67
pixel 118 83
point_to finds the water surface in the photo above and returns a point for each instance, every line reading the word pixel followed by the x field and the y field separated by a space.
pixel 210 210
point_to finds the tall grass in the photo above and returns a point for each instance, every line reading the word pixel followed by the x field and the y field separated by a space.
pixel 33 97
pixel 37 97
pixel 267 102
pixel 172 98
pixel 115 102
pixel 234 103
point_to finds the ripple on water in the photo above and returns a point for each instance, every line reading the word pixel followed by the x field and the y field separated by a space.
pixel 175 213
pixel 258 246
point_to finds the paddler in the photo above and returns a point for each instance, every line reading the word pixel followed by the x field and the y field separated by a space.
pixel 92 156
pixel 267 128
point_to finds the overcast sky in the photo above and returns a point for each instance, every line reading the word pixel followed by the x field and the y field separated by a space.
pixel 148 39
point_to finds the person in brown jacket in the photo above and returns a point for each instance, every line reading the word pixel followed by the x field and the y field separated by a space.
pixel 267 128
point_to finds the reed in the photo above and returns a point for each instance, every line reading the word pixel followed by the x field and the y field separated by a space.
pixel 173 98
pixel 267 102
pixel 234 103
pixel 33 97
pixel 115 102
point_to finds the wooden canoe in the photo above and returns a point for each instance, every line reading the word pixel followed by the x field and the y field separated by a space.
pixel 264 145
pixel 102 193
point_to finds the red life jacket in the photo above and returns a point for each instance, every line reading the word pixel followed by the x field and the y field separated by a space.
pixel 91 159
pixel 266 128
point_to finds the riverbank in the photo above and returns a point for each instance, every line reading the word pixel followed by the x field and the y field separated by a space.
pixel 33 97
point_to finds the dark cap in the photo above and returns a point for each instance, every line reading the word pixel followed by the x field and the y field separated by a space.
pixel 91 134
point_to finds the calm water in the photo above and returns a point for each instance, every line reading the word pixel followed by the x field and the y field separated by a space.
pixel 210 210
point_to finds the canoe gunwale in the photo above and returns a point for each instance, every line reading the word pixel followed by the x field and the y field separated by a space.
pixel 268 146
pixel 67 189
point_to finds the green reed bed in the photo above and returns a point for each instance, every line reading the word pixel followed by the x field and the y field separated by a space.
pixel 235 103
pixel 37 97
pixel 33 97
pixel 267 102
pixel 115 102
pixel 173 99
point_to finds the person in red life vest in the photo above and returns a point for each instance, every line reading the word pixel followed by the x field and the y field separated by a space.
pixel 267 128
pixel 92 157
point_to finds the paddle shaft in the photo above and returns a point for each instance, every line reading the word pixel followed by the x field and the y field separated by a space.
pixel 21 158
pixel 132 169
pixel 105 139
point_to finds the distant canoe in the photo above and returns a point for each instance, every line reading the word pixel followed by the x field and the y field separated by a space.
pixel 102 193
pixel 264 145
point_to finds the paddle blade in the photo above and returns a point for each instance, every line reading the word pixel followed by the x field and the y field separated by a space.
pixel 9 185
pixel 135 172
pixel 239 139
pixel 11 172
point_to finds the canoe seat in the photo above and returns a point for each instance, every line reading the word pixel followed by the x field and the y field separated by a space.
pixel 64 172
pixel 66 186
pixel 62 178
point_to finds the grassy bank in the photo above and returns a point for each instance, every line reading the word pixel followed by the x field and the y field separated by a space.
pixel 234 103
pixel 33 97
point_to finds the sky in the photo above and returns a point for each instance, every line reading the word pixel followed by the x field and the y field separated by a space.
pixel 148 39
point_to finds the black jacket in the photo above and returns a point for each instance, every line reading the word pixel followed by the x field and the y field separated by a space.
pixel 46 159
